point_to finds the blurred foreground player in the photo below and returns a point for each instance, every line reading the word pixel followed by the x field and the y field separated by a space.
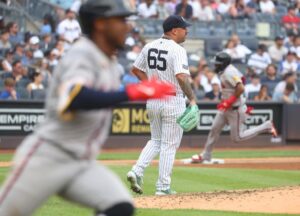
pixel 59 157
pixel 232 110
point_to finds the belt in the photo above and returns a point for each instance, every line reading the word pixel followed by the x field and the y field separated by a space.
pixel 235 108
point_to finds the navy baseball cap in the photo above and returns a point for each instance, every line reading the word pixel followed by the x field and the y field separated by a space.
pixel 174 21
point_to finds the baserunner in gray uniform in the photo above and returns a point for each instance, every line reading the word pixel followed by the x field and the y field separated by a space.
pixel 232 110
pixel 59 157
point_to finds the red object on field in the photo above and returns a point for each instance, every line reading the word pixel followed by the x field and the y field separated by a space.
pixel 226 104
pixel 149 89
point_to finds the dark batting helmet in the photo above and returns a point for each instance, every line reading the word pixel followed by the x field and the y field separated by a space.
pixel 221 61
pixel 94 9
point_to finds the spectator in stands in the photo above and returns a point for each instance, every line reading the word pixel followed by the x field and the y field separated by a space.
pixel 296 47
pixel 270 78
pixel 46 43
pixel 289 77
pixel 34 44
pixel 162 10
pixel 287 96
pixel 208 78
pixel 205 12
pixel 248 74
pixel 53 58
pixel 133 53
pixel 4 41
pixel 289 64
pixel 267 6
pixel 128 78
pixel 231 50
pixel 16 72
pixel 69 29
pixel 171 6
pixel 60 47
pixel 215 93
pixel 196 6
pixel 260 59
pixel 19 51
pixel 241 50
pixel 253 87
pixel 184 9
pixel 36 82
pixel 238 10
pixel 135 38
pixel 27 59
pixel 263 94
pixel 223 8
pixel 290 20
pixel 289 40
pixel 6 63
pixel 48 25
pixel 15 36
pixel 147 9
pixel 277 51
pixel 252 7
pixel 196 76
pixel 9 91
pixel 2 23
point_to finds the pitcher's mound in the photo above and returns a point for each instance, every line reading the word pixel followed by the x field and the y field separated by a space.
pixel 272 200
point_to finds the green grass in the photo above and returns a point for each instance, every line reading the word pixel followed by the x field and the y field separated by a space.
pixel 133 155
pixel 217 153
pixel 186 180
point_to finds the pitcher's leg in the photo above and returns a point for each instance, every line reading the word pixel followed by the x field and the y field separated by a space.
pixel 170 141
pixel 149 152
pixel 152 147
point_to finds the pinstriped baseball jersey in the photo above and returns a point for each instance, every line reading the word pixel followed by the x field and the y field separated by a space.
pixel 229 79
pixel 84 64
pixel 163 58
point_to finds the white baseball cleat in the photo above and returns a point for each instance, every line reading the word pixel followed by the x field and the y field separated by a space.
pixel 135 181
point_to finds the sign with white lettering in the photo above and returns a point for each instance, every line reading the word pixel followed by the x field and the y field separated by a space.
pixel 19 120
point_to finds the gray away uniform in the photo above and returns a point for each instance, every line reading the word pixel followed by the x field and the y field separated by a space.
pixel 59 157
pixel 234 116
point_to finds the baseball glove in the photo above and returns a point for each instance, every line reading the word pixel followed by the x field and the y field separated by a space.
pixel 189 119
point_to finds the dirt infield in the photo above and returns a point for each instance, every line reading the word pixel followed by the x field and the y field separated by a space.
pixel 273 200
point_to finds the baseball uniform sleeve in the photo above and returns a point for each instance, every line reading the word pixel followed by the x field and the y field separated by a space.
pixel 180 61
pixel 233 78
pixel 141 61
pixel 75 75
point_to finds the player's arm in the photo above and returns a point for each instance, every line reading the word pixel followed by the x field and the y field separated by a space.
pixel 236 82
pixel 139 73
pixel 184 82
pixel 80 97
pixel 182 73
pixel 239 89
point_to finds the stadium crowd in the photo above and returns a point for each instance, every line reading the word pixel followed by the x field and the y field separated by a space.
pixel 272 71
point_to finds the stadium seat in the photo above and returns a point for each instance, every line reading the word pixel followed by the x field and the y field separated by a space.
pixel 22 93
pixel 202 30
pixel 250 42
pixel 251 95
pixel 212 46
pixel 38 94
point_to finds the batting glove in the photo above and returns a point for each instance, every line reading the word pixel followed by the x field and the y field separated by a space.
pixel 226 104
